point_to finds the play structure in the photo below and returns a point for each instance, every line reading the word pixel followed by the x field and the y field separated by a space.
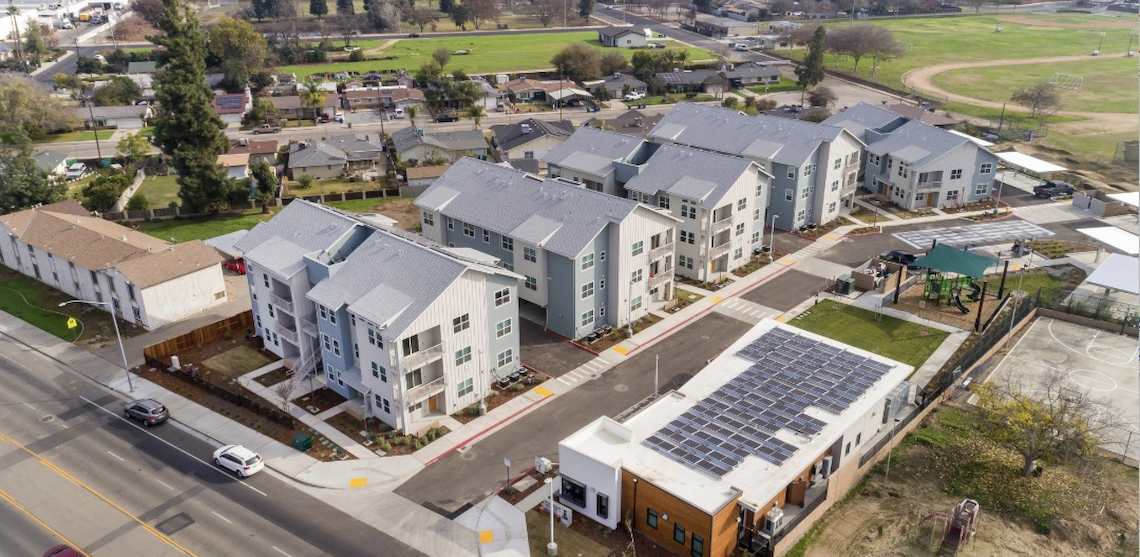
pixel 950 272
pixel 947 290
pixel 956 528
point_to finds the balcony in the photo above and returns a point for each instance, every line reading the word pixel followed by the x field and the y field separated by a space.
pixel 660 251
pixel 309 327
pixel 420 392
pixel 721 248
pixel 660 278
pixel 723 223
pixel 287 333
pixel 423 357
pixel 929 186
pixel 281 303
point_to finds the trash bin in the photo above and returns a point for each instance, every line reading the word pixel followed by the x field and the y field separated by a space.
pixel 302 442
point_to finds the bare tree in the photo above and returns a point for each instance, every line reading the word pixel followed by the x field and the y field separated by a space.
pixel 285 390
pixel 422 17
pixel 482 11
pixel 546 11
pixel 822 97
pixel 1040 98
pixel 883 48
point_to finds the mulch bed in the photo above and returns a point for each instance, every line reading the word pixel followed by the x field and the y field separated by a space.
pixel 272 378
pixel 500 396
pixel 321 399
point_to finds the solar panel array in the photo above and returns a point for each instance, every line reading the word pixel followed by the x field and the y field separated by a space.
pixel 789 373
pixel 231 102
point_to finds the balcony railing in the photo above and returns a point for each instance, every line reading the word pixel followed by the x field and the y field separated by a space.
pixel 660 251
pixel 281 303
pixel 720 248
pixel 420 392
pixel 721 223
pixel 660 278
pixel 309 327
pixel 929 186
pixel 287 333
pixel 423 357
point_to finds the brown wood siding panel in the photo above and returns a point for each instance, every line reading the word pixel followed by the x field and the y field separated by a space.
pixel 236 326
pixel 680 512
pixel 724 531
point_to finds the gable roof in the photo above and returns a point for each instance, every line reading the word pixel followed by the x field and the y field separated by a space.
pixel 629 122
pixel 170 263
pixel 591 150
pixel 49 160
pixel 356 145
pixel 229 103
pixel 688 77
pixel 783 141
pixel 142 67
pixel 254 146
pixel 917 144
pixel 615 32
pixel 409 137
pixel 691 173
pixel 557 216
pixel 752 69
pixel 861 117
pixel 299 229
pixel 509 136
pixel 234 159
pixel 316 154
pixel 131 111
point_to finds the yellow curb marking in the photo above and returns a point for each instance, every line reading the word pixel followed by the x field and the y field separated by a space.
pixel 716 300
pixel 787 260
pixel 486 536
pixel 542 392
pixel 830 237
pixel 358 482
pixel 782 319
pixel 621 350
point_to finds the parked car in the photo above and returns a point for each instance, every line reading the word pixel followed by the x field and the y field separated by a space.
pixel 634 96
pixel 1053 188
pixel 239 460
pixel 324 118
pixel 414 35
pixel 266 128
pixel 148 411
pixel 900 257
pixel 398 113
pixel 76 171
pixel 658 45
pixel 742 48
pixel 62 551
pixel 236 265
pixel 446 118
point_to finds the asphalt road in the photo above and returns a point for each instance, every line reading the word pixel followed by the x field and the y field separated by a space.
pixel 464 478
pixel 786 290
pixel 115 488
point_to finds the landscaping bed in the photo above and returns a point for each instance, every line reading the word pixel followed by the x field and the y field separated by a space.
pixel 683 299
pixel 620 334
pixel 758 262
pixel 319 400
pixel 500 396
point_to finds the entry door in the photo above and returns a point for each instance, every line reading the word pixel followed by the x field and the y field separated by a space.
pixel 432 404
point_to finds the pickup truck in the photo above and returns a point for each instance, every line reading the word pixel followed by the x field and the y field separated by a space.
pixel 1053 188
pixel 266 128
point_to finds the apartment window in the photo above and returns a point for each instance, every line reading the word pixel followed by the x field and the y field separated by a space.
pixel 508 243
pixel 505 357
pixel 788 195
pixel 808 168
pixel 379 372
pixel 530 254
pixel 450 223
pixel 463 355
pixel 602 284
pixel 258 320
pixel 755 237
pixel 838 162
pixel 858 438
pixel 847 449
pixel 508 266
pixel 330 372
pixel 383 403
pixel 651 518
pixel 987 167
pixel 461 323
pixel 531 283
pixel 688 211
pixel 873 160
pixel 413 379
pixel 890 164
pixel 952 195
pixel 336 347
pixel 327 342
pixel 411 345
pixel 332 317
pixel 486 236
pixel 271 314
pixel 602 256
pixel 528 154
pixel 741 204
pixel 587 290
pixel 636 276
pixel 804 193
pixel 835 185
pixel 663 202
pixel 602 311
pixel 603 505
pixel 573 492
pixel 638 247
pixel 791 173
pixel 740 229
pixel 375 370
pixel 956 174
pixel 679 534
pixel 904 170
pixel 759 190
pixel 686 262
pixel 688 237
pixel 800 215
pixel 831 207
pixel 469 230
pixel 503 328
pixel 429 219
pixel 373 338
pixel 275 343
pixel 264 277
pixel 635 304
pixel 587 261
pixel 466 387
pixel 981 189
pixel 352 319
pixel 698 546
pixel 587 318
pixel 756 214
pixel 503 297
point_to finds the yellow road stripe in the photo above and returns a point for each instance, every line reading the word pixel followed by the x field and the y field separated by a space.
pixel 61 472
pixel 357 482
pixel 542 392
pixel 621 350
pixel 42 523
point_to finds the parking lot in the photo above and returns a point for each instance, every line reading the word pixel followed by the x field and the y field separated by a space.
pixel 786 290
pixel 550 355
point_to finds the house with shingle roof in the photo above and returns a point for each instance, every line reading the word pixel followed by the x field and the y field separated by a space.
pixel 334 156
pixel 258 149
pixel 553 93
pixel 387 97
pixel 121 117
pixel 617 85
pixel 52 162
pixel 752 73
pixel 530 138
pixel 631 122
pixel 418 144
pixel 814 167
pixel 290 107
pixel 148 281
pixel 693 81
pixel 586 259
pixel 625 37
pixel 411 330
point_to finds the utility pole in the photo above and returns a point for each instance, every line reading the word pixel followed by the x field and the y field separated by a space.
pixel 95 126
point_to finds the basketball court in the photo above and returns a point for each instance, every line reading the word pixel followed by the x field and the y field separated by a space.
pixel 1096 362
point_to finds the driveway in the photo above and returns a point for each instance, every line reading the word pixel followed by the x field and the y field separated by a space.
pixel 786 290
pixel 550 355
pixel 460 480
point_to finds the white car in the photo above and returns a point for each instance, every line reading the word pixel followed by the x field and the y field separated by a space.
pixel 239 460
pixel 76 171
pixel 634 96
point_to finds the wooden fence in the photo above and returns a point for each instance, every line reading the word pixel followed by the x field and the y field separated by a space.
pixel 237 325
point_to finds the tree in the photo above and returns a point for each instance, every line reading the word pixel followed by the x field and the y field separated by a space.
pixel 31 109
pixel 319 8
pixel 151 11
pixel 305 181
pixel 103 192
pixel 313 96
pixel 241 48
pixel 445 6
pixel 883 48
pixel 189 131
pixel 422 17
pixel 578 61
pixel 459 16
pixel 412 112
pixel 703 6
pixel 585 8
pixel 345 7
pixel 384 15
pixel 822 97
pixel 262 111
pixel 70 82
pixel 815 115
pixel 266 180
pixel 482 11
pixel 613 62
pixel 25 184
pixel 810 72
pixel 138 202
pixel 33 41
pixel 1040 98
pixel 476 113
pixel 546 11
pixel 133 149
pixel 120 91
pixel 441 56
pixel 1043 420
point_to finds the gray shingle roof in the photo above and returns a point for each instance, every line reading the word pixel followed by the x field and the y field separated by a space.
pixel 592 150
pixel 300 228
pixel 560 217
pixel 316 154
pixel 690 173
pixel 752 69
pixel 917 143
pixel 862 117
pixel 694 77
pixel 780 140
pixel 357 146
pixel 618 31
pixel 49 160
pixel 509 136
pixel 469 140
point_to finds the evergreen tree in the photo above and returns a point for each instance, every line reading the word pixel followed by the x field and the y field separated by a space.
pixel 446 5
pixel 345 7
pixel 189 131
pixel 319 8
pixel 810 73
pixel 34 40
pixel 585 8
pixel 23 183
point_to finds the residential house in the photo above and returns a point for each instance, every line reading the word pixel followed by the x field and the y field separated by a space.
pixel 586 259
pixel 413 331
pixel 236 165
pixel 258 149
pixel 529 139
pixel 232 107
pixel 696 471
pixel 387 97
pixel 599 160
pixel 419 178
pixel 362 151
pixel 917 165
pixel 416 144
pixel 291 108
pixel 617 86
pixel 630 122
pixel 555 93
pixel 924 114
pixel 148 282
pixel 624 37
pixel 52 162
pixel 814 167
pixel 143 67
pixel 693 82
pixel 332 157
pixel 751 74
pixel 120 117
pixel 719 201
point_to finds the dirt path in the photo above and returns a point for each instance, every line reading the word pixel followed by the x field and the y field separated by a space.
pixel 1093 123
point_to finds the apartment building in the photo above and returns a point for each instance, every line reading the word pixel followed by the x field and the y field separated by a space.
pixel 599 160
pixel 586 259
pixel 814 167
pixel 416 330
pixel 719 201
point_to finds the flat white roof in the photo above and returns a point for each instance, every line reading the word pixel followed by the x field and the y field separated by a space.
pixel 1118 272
pixel 620 444
pixel 1132 199
pixel 1030 163
pixel 1122 240
pixel 976 140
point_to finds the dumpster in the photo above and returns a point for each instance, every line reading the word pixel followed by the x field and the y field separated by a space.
pixel 302 442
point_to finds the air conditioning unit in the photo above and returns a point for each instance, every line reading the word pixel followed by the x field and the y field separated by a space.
pixel 773 522
pixel 826 466
pixel 542 465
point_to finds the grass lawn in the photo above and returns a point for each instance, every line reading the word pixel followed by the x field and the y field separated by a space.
pixel 892 338
pixel 361 205
pixel 76 136
pixel 38 304
pixel 1104 78
pixel 658 99
pixel 334 185
pixel 184 230
pixel 784 85
pixel 489 54
pixel 160 191
pixel 569 541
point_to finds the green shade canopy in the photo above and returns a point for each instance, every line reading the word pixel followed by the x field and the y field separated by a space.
pixel 953 260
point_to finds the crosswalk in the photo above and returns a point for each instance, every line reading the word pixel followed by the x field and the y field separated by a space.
pixel 586 371
pixel 749 312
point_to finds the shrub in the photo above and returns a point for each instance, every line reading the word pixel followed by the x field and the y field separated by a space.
pixel 730 102
pixel 356 56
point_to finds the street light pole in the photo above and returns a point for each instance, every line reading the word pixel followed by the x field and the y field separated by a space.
pixel 552 547
pixel 891 442
pixel 115 322
pixel 772 239
pixel 1101 44
pixel 1001 184
pixel 630 323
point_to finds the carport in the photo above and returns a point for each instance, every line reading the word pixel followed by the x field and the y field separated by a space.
pixel 1113 237
pixel 1024 172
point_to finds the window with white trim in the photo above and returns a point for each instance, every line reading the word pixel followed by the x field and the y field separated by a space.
pixel 791 173
pixel 463 355
pixel 486 236
pixel 635 304
pixel 741 204
pixel 740 229
pixel 450 223
pixel 636 276
pixel 469 230
pixel 986 168
pixel 638 247
pixel 465 387
pixel 981 189
pixel 587 318
pixel 587 290
pixel 789 195
pixel 505 357
pixel 503 297
pixel 838 163
pixel 508 243
pixel 530 254
pixel 688 211
pixel 531 283
pixel 956 174
pixel 461 323
pixel 587 261
pixel 429 218
pixel 503 328
pixel 663 201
